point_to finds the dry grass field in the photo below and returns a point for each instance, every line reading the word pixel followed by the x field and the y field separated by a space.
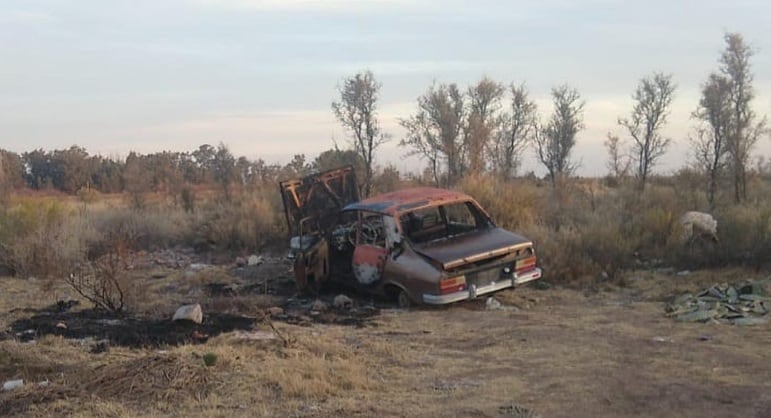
pixel 559 352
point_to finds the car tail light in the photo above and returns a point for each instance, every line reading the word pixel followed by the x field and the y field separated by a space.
pixel 526 264
pixel 452 284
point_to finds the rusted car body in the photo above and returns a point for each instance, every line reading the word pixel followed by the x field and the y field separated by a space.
pixel 418 245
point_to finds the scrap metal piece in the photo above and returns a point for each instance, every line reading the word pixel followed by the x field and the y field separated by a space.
pixel 697 316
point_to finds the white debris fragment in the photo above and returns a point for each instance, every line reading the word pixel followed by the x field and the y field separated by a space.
pixel 255 260
pixel 190 313
pixel 342 302
pixel 319 305
pixel 13 384
pixel 492 304
pixel 255 335
pixel 199 266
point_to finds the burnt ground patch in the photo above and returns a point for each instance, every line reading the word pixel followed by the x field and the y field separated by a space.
pixel 126 331
pixel 302 312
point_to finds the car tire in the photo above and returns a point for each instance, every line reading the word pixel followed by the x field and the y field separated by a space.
pixel 403 299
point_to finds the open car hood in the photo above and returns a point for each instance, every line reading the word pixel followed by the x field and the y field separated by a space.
pixel 472 247
pixel 312 200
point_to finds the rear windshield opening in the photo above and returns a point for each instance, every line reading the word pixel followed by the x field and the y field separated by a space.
pixel 437 222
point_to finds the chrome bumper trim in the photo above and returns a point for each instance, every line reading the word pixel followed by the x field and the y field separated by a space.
pixel 474 291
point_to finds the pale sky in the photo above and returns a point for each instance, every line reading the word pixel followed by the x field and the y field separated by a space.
pixel 260 75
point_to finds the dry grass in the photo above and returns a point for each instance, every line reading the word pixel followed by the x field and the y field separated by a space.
pixel 561 354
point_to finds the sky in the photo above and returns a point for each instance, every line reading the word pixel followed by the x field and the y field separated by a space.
pixel 260 75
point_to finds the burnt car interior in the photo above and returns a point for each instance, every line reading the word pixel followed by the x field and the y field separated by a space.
pixel 442 222
pixel 354 228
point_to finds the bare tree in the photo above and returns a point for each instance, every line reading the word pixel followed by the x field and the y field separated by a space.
pixel 555 141
pixel 516 132
pixel 745 129
pixel 484 106
pixel 652 100
pixel 357 112
pixel 424 143
pixel 618 162
pixel 711 140
pixel 435 131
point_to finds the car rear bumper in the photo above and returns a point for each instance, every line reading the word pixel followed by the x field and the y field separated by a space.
pixel 474 291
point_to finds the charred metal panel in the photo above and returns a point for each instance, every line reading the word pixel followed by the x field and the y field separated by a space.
pixel 312 265
pixel 402 200
pixel 311 202
pixel 368 262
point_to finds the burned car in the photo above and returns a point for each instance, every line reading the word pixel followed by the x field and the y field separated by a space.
pixel 417 245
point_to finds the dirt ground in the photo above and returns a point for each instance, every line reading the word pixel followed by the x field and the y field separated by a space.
pixel 605 352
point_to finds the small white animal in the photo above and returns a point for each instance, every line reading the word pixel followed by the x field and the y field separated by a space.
pixel 698 224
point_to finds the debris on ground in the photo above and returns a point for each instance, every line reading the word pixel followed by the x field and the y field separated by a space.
pixel 342 302
pixel 13 384
pixel 517 411
pixel 191 313
pixel 319 305
pixel 255 335
pixel 275 311
pixel 254 260
pixel 742 304
pixel 199 266
pixel 301 311
pixel 492 304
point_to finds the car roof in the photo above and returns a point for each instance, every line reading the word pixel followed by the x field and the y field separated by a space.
pixel 393 203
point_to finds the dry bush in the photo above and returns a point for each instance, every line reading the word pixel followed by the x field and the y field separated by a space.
pixel 43 239
pixel 608 248
pixel 87 248
pixel 561 253
pixel 745 237
pixel 144 229
pixel 512 204
pixel 105 281
pixel 248 223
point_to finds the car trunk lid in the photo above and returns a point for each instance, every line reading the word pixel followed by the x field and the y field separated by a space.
pixel 314 199
pixel 473 247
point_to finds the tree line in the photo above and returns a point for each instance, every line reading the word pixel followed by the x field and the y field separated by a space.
pixel 74 170
pixel 486 127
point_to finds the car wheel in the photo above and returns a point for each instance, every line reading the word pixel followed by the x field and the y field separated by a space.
pixel 403 299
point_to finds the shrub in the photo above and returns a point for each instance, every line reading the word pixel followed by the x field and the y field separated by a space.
pixel 144 229
pixel 42 239
pixel 608 248
pixel 210 359
pixel 105 281
pixel 512 204
pixel 560 253
pixel 247 223
pixel 745 236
